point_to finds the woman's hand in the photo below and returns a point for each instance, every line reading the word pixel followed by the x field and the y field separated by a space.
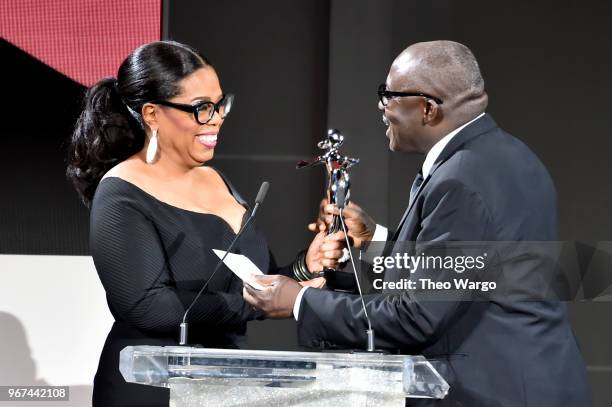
pixel 324 251
pixel 318 282
pixel 319 224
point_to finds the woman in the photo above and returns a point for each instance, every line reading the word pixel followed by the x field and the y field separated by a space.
pixel 157 212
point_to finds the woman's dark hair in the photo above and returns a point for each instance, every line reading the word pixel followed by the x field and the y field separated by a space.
pixel 110 128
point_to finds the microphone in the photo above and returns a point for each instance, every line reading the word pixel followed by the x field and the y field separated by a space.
pixel 261 195
pixel 340 196
pixel 184 327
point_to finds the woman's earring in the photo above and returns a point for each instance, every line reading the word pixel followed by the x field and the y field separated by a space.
pixel 152 148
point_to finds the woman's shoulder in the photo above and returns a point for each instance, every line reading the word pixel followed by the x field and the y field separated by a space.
pixel 134 172
pixel 129 170
pixel 120 184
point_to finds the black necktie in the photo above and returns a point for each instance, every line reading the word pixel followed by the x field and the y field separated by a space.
pixel 418 181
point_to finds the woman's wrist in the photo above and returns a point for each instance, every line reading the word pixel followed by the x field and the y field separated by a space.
pixel 300 269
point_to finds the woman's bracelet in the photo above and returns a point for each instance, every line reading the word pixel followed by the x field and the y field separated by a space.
pixel 300 269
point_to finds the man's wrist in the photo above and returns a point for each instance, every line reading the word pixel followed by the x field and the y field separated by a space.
pixel 298 303
pixel 380 234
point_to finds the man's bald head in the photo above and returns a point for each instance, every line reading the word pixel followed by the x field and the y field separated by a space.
pixel 445 69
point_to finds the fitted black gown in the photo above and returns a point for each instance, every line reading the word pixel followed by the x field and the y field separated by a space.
pixel 152 259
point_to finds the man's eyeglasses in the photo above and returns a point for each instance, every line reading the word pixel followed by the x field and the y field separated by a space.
pixel 203 112
pixel 384 95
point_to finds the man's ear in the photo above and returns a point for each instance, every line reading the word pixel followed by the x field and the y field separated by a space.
pixel 148 115
pixel 431 112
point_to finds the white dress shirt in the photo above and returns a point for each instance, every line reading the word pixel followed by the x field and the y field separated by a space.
pixel 434 153
pixel 381 233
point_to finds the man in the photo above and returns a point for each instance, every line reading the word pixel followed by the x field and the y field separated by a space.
pixel 477 183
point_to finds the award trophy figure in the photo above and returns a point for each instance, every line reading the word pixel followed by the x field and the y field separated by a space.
pixel 338 187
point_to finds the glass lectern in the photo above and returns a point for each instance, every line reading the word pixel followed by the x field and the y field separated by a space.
pixel 222 377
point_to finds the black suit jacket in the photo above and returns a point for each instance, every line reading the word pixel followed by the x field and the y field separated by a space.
pixel 485 186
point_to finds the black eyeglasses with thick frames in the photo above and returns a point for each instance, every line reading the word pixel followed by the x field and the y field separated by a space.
pixel 384 95
pixel 203 112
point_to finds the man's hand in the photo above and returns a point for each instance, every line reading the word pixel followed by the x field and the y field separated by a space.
pixel 359 224
pixel 278 297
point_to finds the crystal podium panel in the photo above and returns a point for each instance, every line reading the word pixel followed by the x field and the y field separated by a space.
pixel 227 377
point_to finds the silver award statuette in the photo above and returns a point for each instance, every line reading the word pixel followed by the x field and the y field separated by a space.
pixel 338 186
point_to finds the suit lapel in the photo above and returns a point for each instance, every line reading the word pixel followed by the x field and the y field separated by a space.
pixel 410 206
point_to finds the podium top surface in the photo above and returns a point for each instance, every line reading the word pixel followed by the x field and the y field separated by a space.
pixel 401 375
pixel 358 358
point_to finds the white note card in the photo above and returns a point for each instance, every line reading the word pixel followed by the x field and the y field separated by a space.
pixel 243 267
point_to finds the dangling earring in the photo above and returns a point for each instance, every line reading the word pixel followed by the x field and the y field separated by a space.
pixel 152 148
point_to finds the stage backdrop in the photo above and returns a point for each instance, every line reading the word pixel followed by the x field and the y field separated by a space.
pixel 53 313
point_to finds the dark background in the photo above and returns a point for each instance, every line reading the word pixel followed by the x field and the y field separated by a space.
pixel 301 66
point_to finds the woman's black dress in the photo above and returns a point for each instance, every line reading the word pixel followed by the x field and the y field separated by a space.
pixel 152 259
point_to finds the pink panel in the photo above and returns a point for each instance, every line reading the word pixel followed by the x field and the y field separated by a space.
pixel 83 39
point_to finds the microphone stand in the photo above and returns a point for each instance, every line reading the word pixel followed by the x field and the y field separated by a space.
pixel 369 332
pixel 184 327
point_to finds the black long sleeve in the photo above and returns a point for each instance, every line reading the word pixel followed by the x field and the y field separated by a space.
pixel 149 263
